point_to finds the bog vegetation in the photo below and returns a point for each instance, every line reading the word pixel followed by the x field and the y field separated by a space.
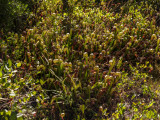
pixel 79 59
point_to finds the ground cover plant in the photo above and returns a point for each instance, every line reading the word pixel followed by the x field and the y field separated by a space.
pixel 91 60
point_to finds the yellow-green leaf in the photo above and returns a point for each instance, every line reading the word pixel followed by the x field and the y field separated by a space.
pixel 19 64
pixel 1 74
pixel 82 107
pixel 9 62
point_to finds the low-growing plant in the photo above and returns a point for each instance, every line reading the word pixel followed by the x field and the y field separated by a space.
pixel 86 62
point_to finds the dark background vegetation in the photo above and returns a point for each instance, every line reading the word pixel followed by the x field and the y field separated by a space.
pixel 14 14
